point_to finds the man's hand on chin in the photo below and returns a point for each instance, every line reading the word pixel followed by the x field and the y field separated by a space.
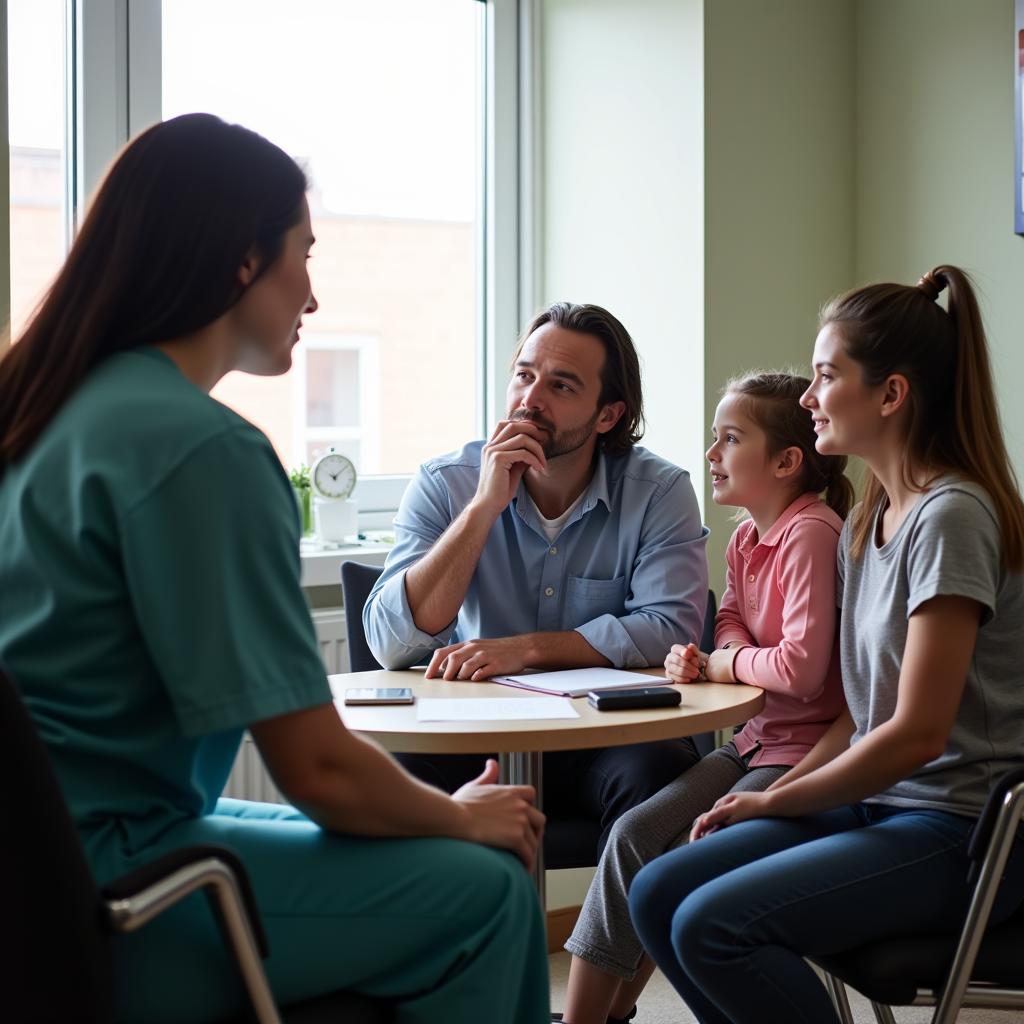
pixel 479 659
pixel 514 447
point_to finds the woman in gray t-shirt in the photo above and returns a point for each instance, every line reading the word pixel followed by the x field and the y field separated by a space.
pixel 854 843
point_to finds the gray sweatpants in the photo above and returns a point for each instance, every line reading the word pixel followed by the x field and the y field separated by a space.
pixel 604 933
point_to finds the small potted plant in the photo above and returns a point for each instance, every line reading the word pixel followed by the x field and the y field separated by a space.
pixel 300 484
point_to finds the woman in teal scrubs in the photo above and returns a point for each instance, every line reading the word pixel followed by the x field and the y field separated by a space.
pixel 151 611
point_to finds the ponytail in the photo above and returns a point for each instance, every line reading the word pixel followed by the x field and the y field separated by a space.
pixel 839 495
pixel 954 417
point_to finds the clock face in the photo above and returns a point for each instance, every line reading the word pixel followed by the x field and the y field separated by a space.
pixel 334 476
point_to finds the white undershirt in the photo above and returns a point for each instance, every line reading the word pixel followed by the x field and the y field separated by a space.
pixel 553 527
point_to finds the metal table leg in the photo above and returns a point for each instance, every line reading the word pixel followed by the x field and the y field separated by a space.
pixel 525 769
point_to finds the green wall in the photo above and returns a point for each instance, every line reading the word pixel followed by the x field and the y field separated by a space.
pixel 779 187
pixel 935 162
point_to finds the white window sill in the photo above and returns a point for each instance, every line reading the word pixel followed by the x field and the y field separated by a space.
pixel 322 568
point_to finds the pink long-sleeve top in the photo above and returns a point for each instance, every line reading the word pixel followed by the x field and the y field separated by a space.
pixel 780 604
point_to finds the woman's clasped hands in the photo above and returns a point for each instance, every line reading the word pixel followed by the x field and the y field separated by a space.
pixel 502 816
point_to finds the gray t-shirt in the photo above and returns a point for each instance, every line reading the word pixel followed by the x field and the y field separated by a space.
pixel 948 544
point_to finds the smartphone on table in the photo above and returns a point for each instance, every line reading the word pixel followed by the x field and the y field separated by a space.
pixel 380 695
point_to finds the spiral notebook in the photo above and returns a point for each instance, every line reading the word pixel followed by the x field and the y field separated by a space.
pixel 578 682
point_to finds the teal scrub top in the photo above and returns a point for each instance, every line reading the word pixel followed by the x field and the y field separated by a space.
pixel 150 599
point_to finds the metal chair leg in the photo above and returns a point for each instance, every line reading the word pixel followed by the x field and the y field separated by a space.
pixel 837 990
pixel 1003 836
pixel 883 1013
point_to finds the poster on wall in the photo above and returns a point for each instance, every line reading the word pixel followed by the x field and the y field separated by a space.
pixel 1018 110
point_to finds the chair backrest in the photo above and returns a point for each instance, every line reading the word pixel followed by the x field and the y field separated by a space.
pixel 707 638
pixel 51 911
pixel 357 581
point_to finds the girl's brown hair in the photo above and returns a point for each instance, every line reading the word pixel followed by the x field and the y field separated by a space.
pixel 156 258
pixel 954 419
pixel 773 403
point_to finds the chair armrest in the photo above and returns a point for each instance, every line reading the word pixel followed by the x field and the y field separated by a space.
pixel 144 881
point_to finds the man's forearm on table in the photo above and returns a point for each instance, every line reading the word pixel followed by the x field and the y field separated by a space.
pixel 562 649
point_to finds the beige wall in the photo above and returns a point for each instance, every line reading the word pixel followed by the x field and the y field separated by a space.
pixel 935 162
pixel 623 190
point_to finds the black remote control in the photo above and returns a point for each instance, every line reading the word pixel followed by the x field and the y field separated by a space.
pixel 638 697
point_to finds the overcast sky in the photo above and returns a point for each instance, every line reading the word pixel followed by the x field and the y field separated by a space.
pixel 378 97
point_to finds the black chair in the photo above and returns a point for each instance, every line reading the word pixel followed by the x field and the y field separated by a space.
pixel 357 581
pixel 568 842
pixel 978 968
pixel 58 926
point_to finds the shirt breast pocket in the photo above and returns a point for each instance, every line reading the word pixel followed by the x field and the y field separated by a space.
pixel 587 599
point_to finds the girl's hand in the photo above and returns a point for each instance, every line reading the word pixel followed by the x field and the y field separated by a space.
pixel 682 663
pixel 728 810
pixel 718 668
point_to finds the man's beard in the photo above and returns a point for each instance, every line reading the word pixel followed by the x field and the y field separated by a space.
pixel 565 442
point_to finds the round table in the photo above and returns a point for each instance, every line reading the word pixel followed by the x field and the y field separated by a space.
pixel 705 707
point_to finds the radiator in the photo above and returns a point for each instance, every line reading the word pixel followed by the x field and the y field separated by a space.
pixel 249 779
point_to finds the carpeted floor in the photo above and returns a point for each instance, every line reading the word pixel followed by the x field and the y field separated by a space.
pixel 661 1005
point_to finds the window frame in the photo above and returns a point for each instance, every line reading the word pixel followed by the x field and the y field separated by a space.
pixel 369 407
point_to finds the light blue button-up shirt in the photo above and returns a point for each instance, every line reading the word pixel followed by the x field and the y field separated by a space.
pixel 628 570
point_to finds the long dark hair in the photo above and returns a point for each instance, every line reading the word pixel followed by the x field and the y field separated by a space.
pixel 954 418
pixel 773 402
pixel 620 375
pixel 157 257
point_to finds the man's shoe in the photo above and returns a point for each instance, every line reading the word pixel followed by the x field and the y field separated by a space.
pixel 611 1020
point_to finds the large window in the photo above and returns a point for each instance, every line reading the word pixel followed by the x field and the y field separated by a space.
pixel 36 117
pixel 382 103
pixel 411 120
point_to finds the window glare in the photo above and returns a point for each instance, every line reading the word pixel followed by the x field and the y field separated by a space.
pixel 35 67
pixel 389 136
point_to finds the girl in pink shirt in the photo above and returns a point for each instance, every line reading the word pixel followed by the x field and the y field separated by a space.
pixel 776 629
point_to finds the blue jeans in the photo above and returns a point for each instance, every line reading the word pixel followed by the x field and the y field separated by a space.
pixel 729 918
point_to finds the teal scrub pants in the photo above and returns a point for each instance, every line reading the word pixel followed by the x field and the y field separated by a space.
pixel 451 930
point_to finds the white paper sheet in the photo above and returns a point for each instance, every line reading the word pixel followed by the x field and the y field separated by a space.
pixel 492 709
pixel 577 682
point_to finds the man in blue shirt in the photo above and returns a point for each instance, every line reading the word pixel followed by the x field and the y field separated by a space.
pixel 558 543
